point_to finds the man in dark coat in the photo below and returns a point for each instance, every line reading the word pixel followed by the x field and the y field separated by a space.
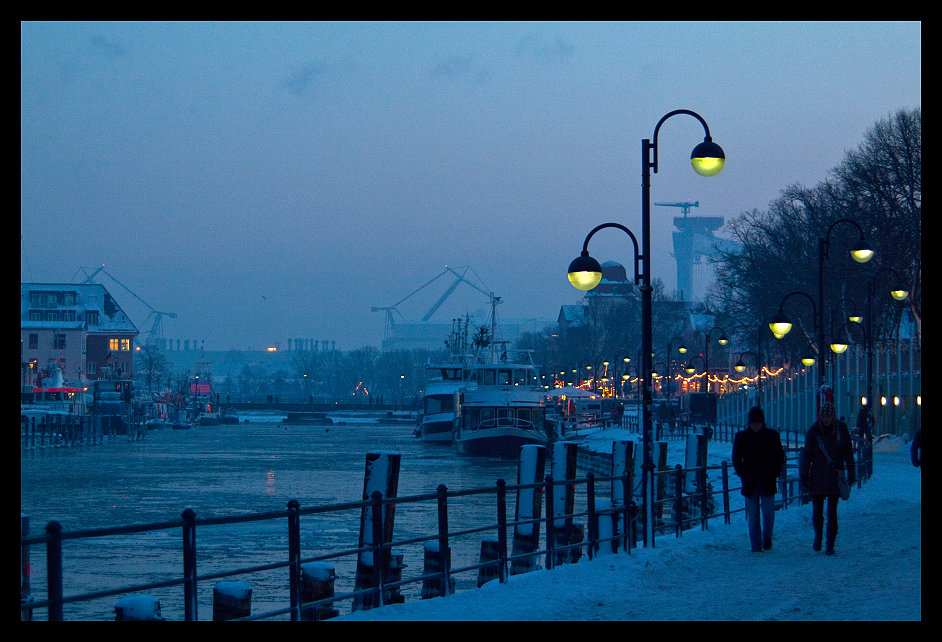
pixel 818 471
pixel 758 457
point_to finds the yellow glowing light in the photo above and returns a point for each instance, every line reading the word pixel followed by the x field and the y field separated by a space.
pixel 707 158
pixel 838 347
pixel 271 349
pixel 861 252
pixel 585 272
pixel 899 295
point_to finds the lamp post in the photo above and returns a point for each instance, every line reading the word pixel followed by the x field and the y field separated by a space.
pixel 707 159
pixel 861 252
pixel 708 335
pixel 670 373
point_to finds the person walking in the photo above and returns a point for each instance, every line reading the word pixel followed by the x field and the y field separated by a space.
pixel 828 450
pixel 758 457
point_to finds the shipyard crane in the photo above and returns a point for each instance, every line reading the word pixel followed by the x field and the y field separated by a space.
pixel 686 205
pixel 156 328
pixel 459 278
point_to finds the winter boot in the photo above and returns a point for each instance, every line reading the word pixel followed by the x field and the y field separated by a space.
pixel 831 536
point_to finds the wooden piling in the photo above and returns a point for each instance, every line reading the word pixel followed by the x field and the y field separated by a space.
pixel 433 585
pixel 382 476
pixel 231 600
pixel 489 560
pixel 137 608
pixel 566 532
pixel 530 470
pixel 624 461
pixel 317 583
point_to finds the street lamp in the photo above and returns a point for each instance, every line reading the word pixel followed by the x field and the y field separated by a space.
pixel 708 335
pixel 707 159
pixel 585 273
pixel 781 323
pixel 861 252
pixel 670 372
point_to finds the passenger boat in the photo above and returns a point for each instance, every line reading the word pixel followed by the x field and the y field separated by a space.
pixel 501 409
pixel 444 381
pixel 439 408
pixel 501 406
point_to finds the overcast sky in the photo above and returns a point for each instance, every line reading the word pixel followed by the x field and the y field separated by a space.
pixel 274 180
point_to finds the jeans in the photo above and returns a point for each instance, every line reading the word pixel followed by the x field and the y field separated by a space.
pixel 817 519
pixel 760 530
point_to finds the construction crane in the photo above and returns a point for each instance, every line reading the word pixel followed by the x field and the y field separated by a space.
pixel 685 205
pixel 460 278
pixel 156 328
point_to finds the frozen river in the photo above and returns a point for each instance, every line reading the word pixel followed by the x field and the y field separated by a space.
pixel 233 470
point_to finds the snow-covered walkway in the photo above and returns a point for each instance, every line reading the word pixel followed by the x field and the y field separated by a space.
pixel 712 575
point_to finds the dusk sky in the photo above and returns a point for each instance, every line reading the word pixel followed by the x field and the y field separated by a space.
pixel 267 181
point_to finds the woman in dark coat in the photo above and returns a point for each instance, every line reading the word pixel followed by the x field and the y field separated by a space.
pixel 758 457
pixel 819 477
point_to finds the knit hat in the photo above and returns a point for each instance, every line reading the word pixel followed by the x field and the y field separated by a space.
pixel 827 409
pixel 756 414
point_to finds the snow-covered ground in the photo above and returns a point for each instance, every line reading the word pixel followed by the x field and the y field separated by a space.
pixel 712 575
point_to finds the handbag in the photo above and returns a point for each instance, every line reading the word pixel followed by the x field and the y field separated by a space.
pixel 843 487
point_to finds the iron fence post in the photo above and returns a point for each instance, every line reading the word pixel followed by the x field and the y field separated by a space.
pixel 379 559
pixel 54 570
pixel 593 518
pixel 502 529
pixel 294 558
pixel 725 467
pixel 550 527
pixel 444 554
pixel 189 565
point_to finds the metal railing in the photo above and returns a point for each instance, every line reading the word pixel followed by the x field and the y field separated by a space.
pixel 676 511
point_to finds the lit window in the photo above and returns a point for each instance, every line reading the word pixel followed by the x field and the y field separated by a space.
pixel 125 344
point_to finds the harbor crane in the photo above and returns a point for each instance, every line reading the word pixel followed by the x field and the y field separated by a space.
pixel 156 328
pixel 686 205
pixel 459 279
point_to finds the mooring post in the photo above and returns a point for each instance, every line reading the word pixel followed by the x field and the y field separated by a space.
pixel 438 554
pixel 376 526
pixel 317 583
pixel 232 600
pixel 138 608
pixel 567 533
pixel 622 464
pixel 530 470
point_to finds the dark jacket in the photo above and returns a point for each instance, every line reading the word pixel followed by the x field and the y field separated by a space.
pixel 817 475
pixel 757 458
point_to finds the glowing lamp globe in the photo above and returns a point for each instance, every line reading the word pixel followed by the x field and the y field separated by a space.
pixel 807 360
pixel 862 251
pixel 585 272
pixel 707 158
pixel 899 295
pixel 780 325
pixel 837 347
